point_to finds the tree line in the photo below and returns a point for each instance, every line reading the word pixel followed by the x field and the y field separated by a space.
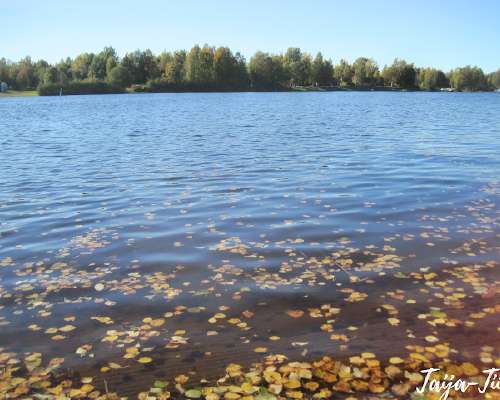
pixel 208 68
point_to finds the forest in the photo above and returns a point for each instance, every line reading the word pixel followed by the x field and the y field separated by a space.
pixel 209 68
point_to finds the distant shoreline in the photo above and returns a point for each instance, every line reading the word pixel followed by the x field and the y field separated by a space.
pixel 34 93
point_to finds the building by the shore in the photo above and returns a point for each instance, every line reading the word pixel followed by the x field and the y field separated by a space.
pixel 3 87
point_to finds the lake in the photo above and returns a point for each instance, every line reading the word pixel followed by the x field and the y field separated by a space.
pixel 147 236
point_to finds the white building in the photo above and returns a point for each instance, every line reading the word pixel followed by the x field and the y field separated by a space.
pixel 3 87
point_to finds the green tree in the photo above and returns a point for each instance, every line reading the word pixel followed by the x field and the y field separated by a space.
pixel 151 69
pixel 199 65
pixel 97 68
pixel 174 67
pixel 192 65
pixel 343 73
pixel 224 63
pixel 23 75
pixel 207 71
pixel 23 79
pixel 365 72
pixel 230 70
pixel 468 79
pixel 298 66
pixel 291 63
pixel 141 65
pixel 40 67
pixel 306 69
pixel 119 76
pixel 162 60
pixel 4 71
pixel 321 71
pixel 81 66
pixel 267 71
pixel 431 79
pixel 102 63
pixel 109 53
pixel 494 79
pixel 64 70
pixel 400 74
pixel 241 70
pixel 50 76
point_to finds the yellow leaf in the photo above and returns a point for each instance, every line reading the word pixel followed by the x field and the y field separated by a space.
pixel 376 388
pixel 312 386
pixel 401 390
pixel 181 379
pixel 323 394
pixel 392 371
pixel 356 360
pixel 272 376
pixel 260 349
pixel 431 339
pixel 87 388
pixel 294 394
pixel 67 328
pixel 414 377
pixel 292 384
pixel 469 369
pixel 247 387
pixel 157 322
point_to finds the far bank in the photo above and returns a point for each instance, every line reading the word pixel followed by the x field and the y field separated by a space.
pixel 89 88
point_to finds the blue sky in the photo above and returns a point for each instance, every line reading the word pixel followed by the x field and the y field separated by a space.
pixel 441 33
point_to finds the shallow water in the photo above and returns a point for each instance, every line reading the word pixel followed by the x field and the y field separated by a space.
pixel 249 205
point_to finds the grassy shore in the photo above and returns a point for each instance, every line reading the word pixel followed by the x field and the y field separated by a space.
pixel 142 89
pixel 19 93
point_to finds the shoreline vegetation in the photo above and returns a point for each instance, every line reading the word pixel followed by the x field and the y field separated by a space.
pixel 19 93
pixel 83 89
pixel 210 69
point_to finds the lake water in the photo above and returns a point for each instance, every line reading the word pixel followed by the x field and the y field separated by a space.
pixel 199 228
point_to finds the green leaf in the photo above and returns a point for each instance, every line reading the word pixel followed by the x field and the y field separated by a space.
pixel 265 395
pixel 438 314
pixel 160 384
pixel 193 393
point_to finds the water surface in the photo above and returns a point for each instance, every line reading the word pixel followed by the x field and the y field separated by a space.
pixel 120 210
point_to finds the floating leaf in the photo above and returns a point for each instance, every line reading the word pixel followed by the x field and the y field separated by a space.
pixel 193 393
pixel 99 287
pixel 295 313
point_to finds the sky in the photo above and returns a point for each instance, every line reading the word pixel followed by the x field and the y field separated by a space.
pixel 439 33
